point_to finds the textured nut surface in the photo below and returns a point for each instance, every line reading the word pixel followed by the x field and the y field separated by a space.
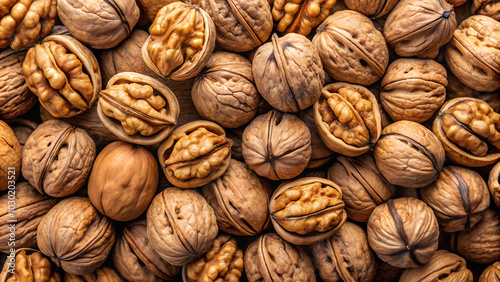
pixel 488 8
pixel 300 16
pixel 320 153
pixel 101 274
pixel 22 129
pixel 30 265
pixel 151 7
pixel 491 273
pixel 10 156
pixel 494 183
pixel 372 8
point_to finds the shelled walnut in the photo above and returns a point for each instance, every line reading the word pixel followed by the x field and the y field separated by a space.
pixel 371 8
pixel 10 156
pixel 30 265
pixel 494 183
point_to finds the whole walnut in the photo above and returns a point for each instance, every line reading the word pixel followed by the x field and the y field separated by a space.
pixel 64 74
pixel 270 258
pixel 420 28
pixel 101 274
pixel 123 181
pixel 76 236
pixel 371 8
pixel 224 92
pixel 181 225
pixel 351 48
pixel 490 8
pixel 409 155
pixel 320 153
pixel 277 145
pixel 288 72
pixel 57 158
pixel 101 24
pixel 22 129
pixel 413 89
pixel 10 157
pixel 30 265
pixel 494 183
pixel 491 273
pixel 363 186
pixel 403 232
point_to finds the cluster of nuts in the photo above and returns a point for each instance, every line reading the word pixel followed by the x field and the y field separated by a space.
pixel 278 140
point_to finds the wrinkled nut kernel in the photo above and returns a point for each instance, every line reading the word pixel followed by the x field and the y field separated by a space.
pixel 307 210
pixel 137 108
pixel 348 118
pixel 181 41
pixel 469 130
pixel 223 262
pixel 64 74
pixel 490 8
pixel 494 183
pixel 371 8
pixel 491 273
pixel 30 265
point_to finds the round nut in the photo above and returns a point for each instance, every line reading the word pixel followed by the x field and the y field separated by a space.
pixel 494 183
pixel 371 8
pixel 491 273
pixel 10 157
pixel 320 153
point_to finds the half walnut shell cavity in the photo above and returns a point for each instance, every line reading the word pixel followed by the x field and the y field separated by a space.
pixel 64 74
pixel 371 8
pixel 469 130
pixel 347 117
pixel 138 108
pixel 494 183
pixel 181 41
pixel 307 210
pixel 195 154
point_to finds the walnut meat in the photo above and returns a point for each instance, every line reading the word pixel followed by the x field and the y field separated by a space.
pixel 137 108
pixel 181 225
pixel 57 158
pixel 181 41
pixel 371 8
pixel 403 232
pixel 288 72
pixel 348 119
pixel 64 74
pixel 270 258
pixel 469 130
pixel 277 145
pixel 10 157
pixel 413 89
pixel 488 8
pixel 351 48
pixel 494 183
pixel 409 155
pixel 76 236
pixel 491 273
pixel 30 265
pixel 420 28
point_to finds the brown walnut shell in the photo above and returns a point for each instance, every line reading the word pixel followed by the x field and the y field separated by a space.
pixel 346 256
pixel 277 145
pixel 491 273
pixel 494 183
pixel 469 130
pixel 351 48
pixel 101 274
pixel 22 129
pixel 420 28
pixel 320 153
pixel 473 53
pixel 363 186
pixel 270 258
pixel 403 232
pixel 307 210
pixel 76 236
pixel 195 154
pixel 57 158
pixel 371 8
pixel 138 108
pixel 490 8
pixel 181 41
pixel 151 7
pixel 409 155
pixel 348 119
pixel 64 74
pixel 29 265
pixel 456 3
pixel 10 157
pixel 181 225
pixel 457 89
pixel 288 72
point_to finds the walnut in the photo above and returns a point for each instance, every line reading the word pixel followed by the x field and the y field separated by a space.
pixel 181 225
pixel 420 28
pixel 494 183
pixel 491 273
pixel 181 41
pixel 346 256
pixel 101 274
pixel 30 265
pixel 456 3
pixel 370 8
pixel 348 119
pixel 277 145
pixel 76 236
pixel 22 129
pixel 151 7
pixel 270 258
pixel 57 158
pixel 413 89
pixel 10 157
pixel 288 72
pixel 469 130
pixel 488 8
pixel 387 272
pixel 320 153
pixel 101 24
pixel 64 74
pixel 351 48
pixel 457 89
pixel 493 99
pixel 403 232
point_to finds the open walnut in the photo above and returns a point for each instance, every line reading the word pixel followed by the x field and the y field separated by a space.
pixel 494 183
pixel 371 8
pixel 64 74
pixel 490 8
pixel 30 265
pixel 491 273
pixel 181 41
pixel 469 130
pixel 348 119
pixel 10 157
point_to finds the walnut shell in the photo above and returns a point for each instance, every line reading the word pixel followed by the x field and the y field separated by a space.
pixel 403 232
pixel 457 89
pixel 491 273
pixel 409 155
pixel 320 153
pixel 64 74
pixel 10 157
pixel 270 258
pixel 372 8
pixel 288 72
pixel 57 158
pixel 494 183
pixel 101 274
pixel 22 129
pixel 456 3
pixel 469 131
pixel 29 265
pixel 351 48
pixel 420 28
pixel 277 145
pixel 101 24
pixel 387 272
pixel 488 8
pixel 75 236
